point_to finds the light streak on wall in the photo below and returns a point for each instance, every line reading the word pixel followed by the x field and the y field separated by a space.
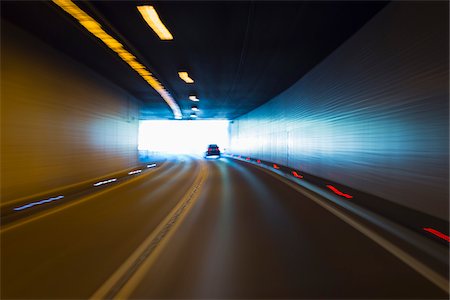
pixel 62 122
pixel 373 115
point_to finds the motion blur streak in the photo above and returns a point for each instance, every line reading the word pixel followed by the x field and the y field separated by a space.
pixel 338 192
pixel 438 234
pixel 39 203
pixel 373 115
pixel 99 241
pixel 95 28
pixel 252 236
pixel 247 236
pixel 63 135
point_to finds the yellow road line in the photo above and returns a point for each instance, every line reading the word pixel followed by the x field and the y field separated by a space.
pixel 127 277
pixel 38 216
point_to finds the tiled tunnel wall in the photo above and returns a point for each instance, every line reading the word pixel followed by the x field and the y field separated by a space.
pixel 373 115
pixel 61 122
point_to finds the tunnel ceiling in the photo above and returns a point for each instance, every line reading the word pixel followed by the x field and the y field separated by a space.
pixel 240 54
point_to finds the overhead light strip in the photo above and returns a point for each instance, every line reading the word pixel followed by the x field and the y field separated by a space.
pixel 185 77
pixel 150 16
pixel 95 28
pixel 193 98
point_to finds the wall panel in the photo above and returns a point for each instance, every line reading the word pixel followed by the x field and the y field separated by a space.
pixel 373 115
pixel 61 123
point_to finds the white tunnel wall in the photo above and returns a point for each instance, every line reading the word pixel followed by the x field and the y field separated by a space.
pixel 373 115
pixel 61 122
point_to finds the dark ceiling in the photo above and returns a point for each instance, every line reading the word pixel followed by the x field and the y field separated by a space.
pixel 240 54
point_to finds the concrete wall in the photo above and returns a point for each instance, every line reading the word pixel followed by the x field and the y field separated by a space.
pixel 61 123
pixel 373 115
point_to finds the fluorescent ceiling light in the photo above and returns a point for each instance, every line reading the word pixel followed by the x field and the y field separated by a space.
pixel 150 16
pixel 95 28
pixel 193 115
pixel 194 98
pixel 185 77
pixel 195 108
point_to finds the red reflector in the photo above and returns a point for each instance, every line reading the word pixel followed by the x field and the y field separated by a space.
pixel 338 192
pixel 438 234
pixel 258 161
pixel 296 174
pixel 275 166
pixel 248 158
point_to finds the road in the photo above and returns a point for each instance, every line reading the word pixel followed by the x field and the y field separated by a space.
pixel 242 234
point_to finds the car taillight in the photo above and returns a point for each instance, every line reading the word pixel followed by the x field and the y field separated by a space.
pixel 209 149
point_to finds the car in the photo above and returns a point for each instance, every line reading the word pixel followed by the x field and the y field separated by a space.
pixel 213 151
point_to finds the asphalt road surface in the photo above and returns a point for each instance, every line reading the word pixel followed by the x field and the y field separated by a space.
pixel 215 229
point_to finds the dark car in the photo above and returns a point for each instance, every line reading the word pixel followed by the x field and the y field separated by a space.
pixel 213 150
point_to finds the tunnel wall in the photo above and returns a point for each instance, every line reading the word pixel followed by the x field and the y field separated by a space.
pixel 61 123
pixel 373 115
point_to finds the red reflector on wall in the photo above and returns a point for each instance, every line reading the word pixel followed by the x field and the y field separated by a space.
pixel 296 174
pixel 338 192
pixel 275 166
pixel 258 161
pixel 437 233
pixel 248 158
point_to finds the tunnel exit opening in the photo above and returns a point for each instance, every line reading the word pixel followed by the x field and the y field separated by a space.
pixel 161 137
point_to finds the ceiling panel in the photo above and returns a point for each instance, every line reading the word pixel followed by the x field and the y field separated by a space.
pixel 240 54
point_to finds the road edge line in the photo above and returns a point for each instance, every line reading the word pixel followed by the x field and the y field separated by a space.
pixel 125 279
pixel 434 277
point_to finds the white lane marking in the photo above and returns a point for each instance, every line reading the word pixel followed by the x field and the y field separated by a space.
pixel 134 172
pixel 128 276
pixel 437 279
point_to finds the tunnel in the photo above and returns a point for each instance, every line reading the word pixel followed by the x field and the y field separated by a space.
pixel 224 149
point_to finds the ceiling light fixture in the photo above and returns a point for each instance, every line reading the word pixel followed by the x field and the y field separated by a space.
pixel 193 115
pixel 95 28
pixel 150 16
pixel 193 98
pixel 195 108
pixel 185 77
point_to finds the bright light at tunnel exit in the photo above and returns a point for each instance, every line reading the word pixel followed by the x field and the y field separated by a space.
pixel 182 137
